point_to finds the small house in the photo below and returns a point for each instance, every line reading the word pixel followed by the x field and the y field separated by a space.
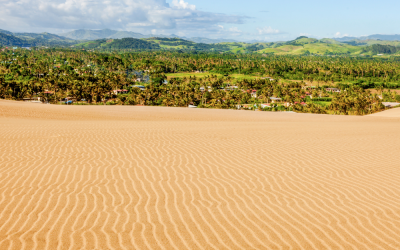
pixel 275 99
pixel 139 86
pixel 333 90
pixel 120 91
pixel 390 104
pixel 265 105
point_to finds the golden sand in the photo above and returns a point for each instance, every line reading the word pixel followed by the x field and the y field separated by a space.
pixel 116 177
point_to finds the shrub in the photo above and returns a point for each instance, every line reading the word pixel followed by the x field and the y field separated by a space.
pixel 322 99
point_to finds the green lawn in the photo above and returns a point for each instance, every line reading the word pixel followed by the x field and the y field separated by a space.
pixel 199 75
pixel 324 104
pixel 189 74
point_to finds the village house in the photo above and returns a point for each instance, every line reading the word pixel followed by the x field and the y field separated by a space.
pixel 390 104
pixel 333 90
pixel 270 78
pixel 203 89
pixel 275 99
pixel 120 91
pixel 231 88
pixel 265 105
pixel 253 93
pixel 139 86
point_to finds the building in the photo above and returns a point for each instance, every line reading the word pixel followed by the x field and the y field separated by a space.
pixel 269 78
pixel 139 86
pixel 120 91
pixel 265 105
pixel 390 104
pixel 333 90
pixel 275 99
pixel 230 88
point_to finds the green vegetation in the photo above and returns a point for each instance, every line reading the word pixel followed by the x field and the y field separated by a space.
pixel 10 40
pixel 232 80
pixel 118 44
pixel 100 34
pixel 382 49
pixel 33 40
pixel 200 75
pixel 116 41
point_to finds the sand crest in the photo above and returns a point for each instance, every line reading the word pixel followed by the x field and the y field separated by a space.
pixel 115 177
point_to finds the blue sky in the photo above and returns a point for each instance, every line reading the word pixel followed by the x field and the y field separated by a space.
pixel 314 18
pixel 240 20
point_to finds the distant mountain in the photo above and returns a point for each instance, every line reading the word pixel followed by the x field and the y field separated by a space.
pixel 131 41
pixel 345 39
pixel 83 34
pixel 302 40
pixel 371 37
pixel 153 43
pixel 330 41
pixel 6 32
pixel 10 40
pixel 45 35
pixel 209 40
pixel 119 44
pixel 101 34
pixel 384 37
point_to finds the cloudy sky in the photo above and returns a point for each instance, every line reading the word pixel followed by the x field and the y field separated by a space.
pixel 242 20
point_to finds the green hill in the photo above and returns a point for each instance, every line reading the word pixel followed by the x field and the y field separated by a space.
pixel 329 40
pixel 300 46
pixel 45 36
pixel 181 44
pixel 302 40
pixel 6 32
pixel 32 39
pixel 100 34
pixel 10 40
pixel 119 44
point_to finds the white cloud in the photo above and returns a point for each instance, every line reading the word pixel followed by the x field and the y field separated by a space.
pixel 180 4
pixel 339 35
pixel 235 30
pixel 267 30
pixel 136 15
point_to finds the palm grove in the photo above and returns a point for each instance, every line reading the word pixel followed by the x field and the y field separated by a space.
pixel 57 74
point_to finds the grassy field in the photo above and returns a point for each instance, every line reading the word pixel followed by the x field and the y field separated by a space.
pixel 324 104
pixel 189 74
pixel 200 75
pixel 315 48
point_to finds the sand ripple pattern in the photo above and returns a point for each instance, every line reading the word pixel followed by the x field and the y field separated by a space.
pixel 171 178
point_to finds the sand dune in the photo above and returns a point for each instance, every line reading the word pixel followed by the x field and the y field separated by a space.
pixel 391 113
pixel 94 177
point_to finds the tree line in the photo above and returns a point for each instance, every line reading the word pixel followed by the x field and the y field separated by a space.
pixel 56 74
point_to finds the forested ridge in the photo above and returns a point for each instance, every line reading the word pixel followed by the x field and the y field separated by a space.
pixel 299 82
pixel 299 46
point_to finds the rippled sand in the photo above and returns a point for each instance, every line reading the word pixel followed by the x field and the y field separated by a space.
pixel 95 177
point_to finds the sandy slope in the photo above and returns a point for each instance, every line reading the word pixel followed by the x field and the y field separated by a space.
pixel 391 113
pixel 169 178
